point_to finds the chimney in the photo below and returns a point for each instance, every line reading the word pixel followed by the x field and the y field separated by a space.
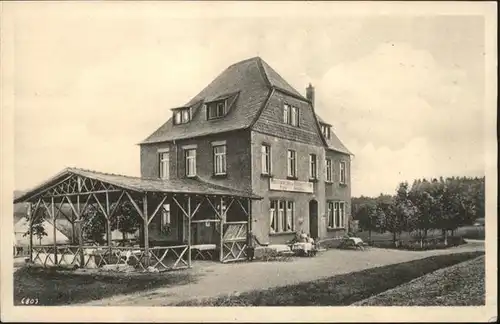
pixel 310 94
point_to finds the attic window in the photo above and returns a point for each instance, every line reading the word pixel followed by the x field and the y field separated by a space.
pixel 325 129
pixel 290 115
pixel 216 109
pixel 182 116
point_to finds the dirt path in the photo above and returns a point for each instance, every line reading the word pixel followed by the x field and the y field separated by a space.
pixel 213 279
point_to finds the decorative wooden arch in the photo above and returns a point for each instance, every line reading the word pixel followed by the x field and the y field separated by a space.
pixel 80 188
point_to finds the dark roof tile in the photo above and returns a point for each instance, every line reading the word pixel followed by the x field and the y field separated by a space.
pixel 180 186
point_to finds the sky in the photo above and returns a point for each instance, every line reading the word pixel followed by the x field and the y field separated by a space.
pixel 404 93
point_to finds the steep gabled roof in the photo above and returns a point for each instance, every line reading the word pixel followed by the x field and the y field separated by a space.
pixel 333 143
pixel 248 82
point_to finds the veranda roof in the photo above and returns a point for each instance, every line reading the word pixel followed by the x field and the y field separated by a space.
pixel 141 185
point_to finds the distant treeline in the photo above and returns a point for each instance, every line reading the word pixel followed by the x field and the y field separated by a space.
pixel 429 204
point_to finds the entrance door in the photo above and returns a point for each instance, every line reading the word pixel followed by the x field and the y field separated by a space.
pixel 313 219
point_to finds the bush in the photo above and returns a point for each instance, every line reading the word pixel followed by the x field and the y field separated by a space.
pixel 329 244
pixel 414 245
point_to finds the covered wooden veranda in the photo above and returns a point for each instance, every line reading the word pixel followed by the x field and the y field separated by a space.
pixel 73 191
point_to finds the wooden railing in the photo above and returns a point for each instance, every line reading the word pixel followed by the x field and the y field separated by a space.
pixel 160 258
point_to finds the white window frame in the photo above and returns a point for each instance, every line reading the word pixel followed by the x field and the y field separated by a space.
pixel 313 167
pixel 291 159
pixel 177 117
pixel 342 172
pixel 330 208
pixel 336 214
pixel 281 216
pixel 326 131
pixel 215 111
pixel 286 114
pixel 290 216
pixel 220 159
pixel 186 116
pixel 342 213
pixel 294 116
pixel 164 168
pixel 273 216
pixel 328 170
pixel 190 172
pixel 166 217
pixel 182 116
pixel 266 159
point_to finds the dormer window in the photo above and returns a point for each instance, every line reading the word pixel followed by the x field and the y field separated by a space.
pixel 290 115
pixel 182 116
pixel 325 129
pixel 216 109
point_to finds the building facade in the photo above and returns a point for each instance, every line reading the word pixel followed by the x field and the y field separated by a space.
pixel 250 130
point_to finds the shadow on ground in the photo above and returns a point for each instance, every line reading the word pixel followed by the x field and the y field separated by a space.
pixel 56 287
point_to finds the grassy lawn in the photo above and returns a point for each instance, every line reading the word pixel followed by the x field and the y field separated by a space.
pixel 339 290
pixel 53 287
pixel 458 285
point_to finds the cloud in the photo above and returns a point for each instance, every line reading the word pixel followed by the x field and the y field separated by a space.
pixel 403 115
pixel 379 169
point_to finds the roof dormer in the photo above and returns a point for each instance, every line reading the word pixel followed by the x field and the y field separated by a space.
pixel 326 130
pixel 181 115
pixel 219 106
pixel 216 109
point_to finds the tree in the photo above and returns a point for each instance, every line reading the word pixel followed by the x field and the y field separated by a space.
pixel 403 212
pixel 126 219
pixel 367 215
pixel 423 201
pixel 94 224
pixel 37 227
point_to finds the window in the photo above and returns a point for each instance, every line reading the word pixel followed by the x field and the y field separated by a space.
pixel 286 112
pixel 290 213
pixel 330 214
pixel 290 115
pixel 313 167
pixel 336 214
pixel 325 129
pixel 182 116
pixel 342 214
pixel 294 120
pixel 328 170
pixel 216 110
pixel 165 217
pixel 266 159
pixel 292 164
pixel 273 218
pixel 282 216
pixel 164 165
pixel 342 172
pixel 190 162
pixel 220 159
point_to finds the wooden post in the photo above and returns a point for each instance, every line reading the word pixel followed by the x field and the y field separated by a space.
pixel 54 229
pixel 146 227
pixel 73 233
pixel 80 226
pixel 249 219
pixel 222 216
pixel 30 216
pixel 108 224
pixel 189 230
